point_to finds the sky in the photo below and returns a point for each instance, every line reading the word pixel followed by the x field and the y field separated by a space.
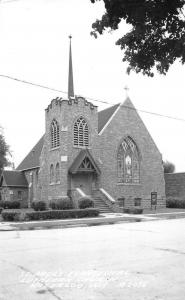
pixel 34 47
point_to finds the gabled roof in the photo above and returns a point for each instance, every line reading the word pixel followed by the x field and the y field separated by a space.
pixel 14 179
pixel 105 115
pixel 32 159
pixel 79 159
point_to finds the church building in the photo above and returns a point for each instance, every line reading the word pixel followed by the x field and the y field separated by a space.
pixel 108 155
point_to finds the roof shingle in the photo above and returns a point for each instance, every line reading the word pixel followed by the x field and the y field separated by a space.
pixel 105 115
pixel 32 159
pixel 14 178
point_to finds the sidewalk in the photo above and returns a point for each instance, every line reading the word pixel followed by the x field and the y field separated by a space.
pixel 103 219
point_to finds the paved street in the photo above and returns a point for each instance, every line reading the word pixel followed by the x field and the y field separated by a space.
pixel 134 261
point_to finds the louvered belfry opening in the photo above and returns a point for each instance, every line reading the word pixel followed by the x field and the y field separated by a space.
pixel 81 133
pixel 55 134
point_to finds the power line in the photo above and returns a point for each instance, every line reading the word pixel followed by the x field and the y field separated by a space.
pixel 91 99
pixel 9 1
pixel 32 83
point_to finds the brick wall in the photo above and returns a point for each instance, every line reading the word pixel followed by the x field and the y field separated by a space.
pixel 175 185
pixel 128 123
pixel 103 148
pixel 66 113
pixel 11 194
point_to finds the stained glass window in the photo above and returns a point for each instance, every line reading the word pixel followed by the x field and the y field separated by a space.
pixel 128 162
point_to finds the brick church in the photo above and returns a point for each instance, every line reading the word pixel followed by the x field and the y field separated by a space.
pixel 108 155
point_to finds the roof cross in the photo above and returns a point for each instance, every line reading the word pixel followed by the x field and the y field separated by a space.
pixel 126 88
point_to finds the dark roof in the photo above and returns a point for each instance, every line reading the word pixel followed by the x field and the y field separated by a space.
pixel 14 178
pixel 78 160
pixel 104 116
pixel 32 159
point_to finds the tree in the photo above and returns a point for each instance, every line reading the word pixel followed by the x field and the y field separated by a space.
pixel 157 37
pixel 4 152
pixel 168 167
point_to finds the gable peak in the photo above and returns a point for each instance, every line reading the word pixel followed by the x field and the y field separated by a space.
pixel 128 103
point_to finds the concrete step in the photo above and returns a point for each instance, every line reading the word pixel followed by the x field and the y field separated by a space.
pixel 101 205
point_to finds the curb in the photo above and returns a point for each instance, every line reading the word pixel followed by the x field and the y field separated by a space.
pixel 37 225
pixel 104 220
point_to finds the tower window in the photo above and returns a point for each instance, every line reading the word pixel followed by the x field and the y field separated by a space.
pixel 81 133
pixel 55 134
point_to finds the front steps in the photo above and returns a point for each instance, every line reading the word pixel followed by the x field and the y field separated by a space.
pixel 101 205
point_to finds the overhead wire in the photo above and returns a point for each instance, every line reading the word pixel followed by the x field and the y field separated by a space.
pixel 91 99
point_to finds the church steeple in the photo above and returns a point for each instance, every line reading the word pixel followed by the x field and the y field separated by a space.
pixel 70 75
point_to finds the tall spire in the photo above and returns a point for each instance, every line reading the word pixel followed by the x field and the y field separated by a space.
pixel 70 75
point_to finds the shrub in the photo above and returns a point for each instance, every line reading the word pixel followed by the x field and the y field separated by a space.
pixel 39 205
pixel 15 204
pixel 49 214
pixel 175 203
pixel 61 204
pixel 85 202
pixel 61 214
pixel 10 204
pixel 11 215
pixel 133 210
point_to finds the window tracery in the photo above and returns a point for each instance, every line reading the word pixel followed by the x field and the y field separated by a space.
pixel 55 134
pixel 128 162
pixel 81 133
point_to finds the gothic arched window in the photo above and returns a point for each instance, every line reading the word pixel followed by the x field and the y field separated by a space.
pixel 57 173
pixel 52 174
pixel 55 134
pixel 128 162
pixel 81 133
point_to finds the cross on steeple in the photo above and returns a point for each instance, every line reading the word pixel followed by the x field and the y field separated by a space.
pixel 70 75
pixel 126 88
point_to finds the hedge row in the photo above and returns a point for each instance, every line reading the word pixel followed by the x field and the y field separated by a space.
pixel 85 202
pixel 133 210
pixel 175 203
pixel 49 214
pixel 10 204
pixel 38 205
pixel 61 204
pixel 11 215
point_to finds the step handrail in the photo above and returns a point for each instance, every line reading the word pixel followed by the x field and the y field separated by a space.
pixel 80 192
pixel 111 199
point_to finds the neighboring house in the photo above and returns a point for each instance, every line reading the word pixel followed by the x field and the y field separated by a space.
pixel 175 185
pixel 14 186
pixel 109 155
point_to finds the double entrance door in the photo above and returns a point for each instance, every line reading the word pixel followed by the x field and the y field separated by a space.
pixel 84 181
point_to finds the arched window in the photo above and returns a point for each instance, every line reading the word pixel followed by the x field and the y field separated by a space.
pixel 81 133
pixel 55 135
pixel 128 162
pixel 57 173
pixel 52 174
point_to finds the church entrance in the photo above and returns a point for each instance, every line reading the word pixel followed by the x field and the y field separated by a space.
pixel 84 173
pixel 83 181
